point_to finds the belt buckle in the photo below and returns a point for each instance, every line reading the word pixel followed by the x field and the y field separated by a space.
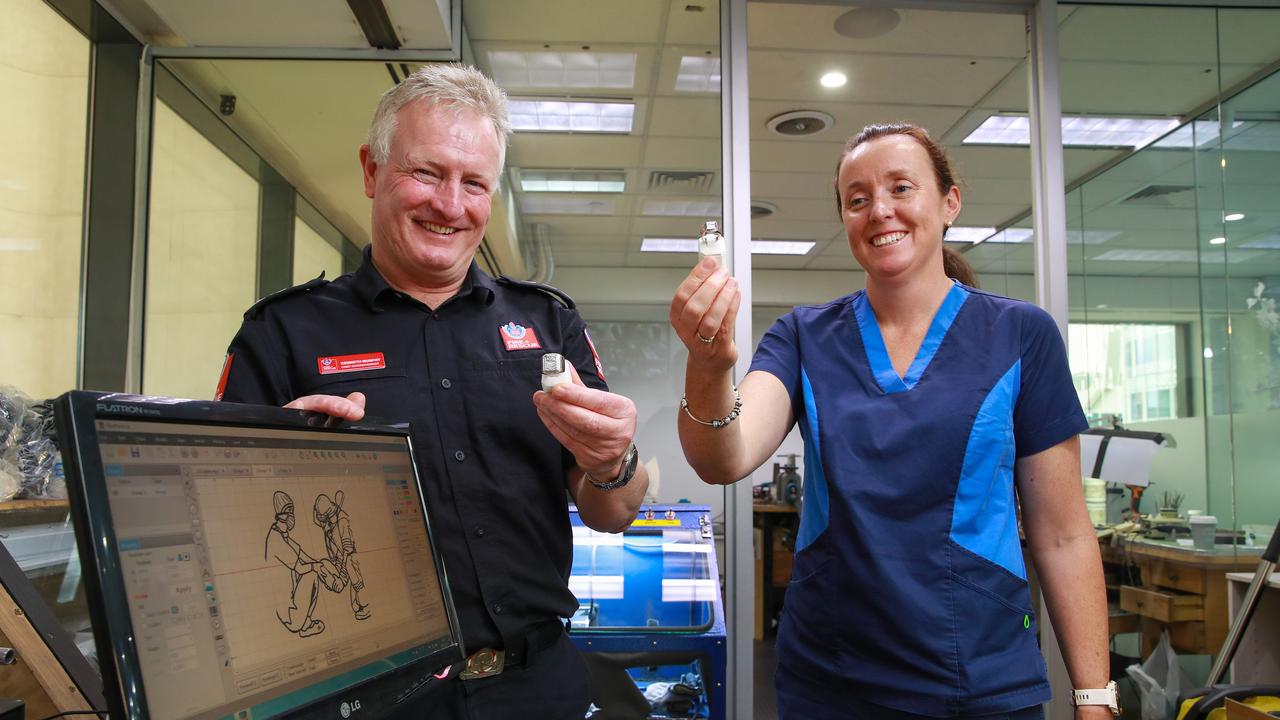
pixel 483 663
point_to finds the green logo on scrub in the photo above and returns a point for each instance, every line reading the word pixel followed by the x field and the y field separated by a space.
pixel 1026 621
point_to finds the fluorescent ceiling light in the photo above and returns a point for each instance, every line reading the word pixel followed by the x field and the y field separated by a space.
pixel 546 69
pixel 781 247
pixel 758 247
pixel 962 234
pixel 698 73
pixel 1234 257
pixel 580 181
pixel 683 208
pixel 1203 132
pixel 833 80
pixel 1218 241
pixel 562 116
pixel 1270 242
pixel 1233 217
pixel 677 245
pixel 543 205
pixel 1076 131
pixel 1010 235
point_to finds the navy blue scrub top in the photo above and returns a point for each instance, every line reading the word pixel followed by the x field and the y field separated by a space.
pixel 908 582
pixel 463 374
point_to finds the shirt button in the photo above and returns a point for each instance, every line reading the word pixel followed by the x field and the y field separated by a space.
pixel 446 383
pixel 460 456
pixel 479 532
pixel 435 316
pixel 498 608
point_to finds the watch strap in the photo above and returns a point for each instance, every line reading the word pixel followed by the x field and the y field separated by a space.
pixel 629 462
pixel 1097 696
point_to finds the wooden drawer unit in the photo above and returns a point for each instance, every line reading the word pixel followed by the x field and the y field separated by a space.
pixel 1177 576
pixel 1158 604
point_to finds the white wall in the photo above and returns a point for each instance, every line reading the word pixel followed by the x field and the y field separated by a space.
pixel 201 259
pixel 312 254
pixel 44 67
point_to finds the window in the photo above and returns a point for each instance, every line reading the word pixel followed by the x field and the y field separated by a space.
pixel 1126 370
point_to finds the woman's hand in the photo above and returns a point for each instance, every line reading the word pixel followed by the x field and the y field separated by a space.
pixel 703 312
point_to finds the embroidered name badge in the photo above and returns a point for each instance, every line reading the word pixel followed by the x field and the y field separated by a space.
pixel 518 337
pixel 350 363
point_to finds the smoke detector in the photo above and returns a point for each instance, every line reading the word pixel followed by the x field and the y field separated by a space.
pixel 762 209
pixel 867 22
pixel 799 123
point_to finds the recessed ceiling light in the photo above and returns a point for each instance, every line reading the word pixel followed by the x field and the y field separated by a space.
pixel 1233 217
pixel 698 73
pixel 562 116
pixel 1208 353
pixel 833 80
pixel 1077 131
pixel 582 181
pixel 758 247
pixel 1218 241
pixel 563 69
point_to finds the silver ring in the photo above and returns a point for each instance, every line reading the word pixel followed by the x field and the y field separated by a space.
pixel 702 339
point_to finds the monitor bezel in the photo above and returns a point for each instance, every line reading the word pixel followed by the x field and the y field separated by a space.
pixel 76 413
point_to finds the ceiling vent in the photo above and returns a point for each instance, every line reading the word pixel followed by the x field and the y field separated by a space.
pixel 867 22
pixel 799 123
pixel 1161 196
pixel 761 209
pixel 681 181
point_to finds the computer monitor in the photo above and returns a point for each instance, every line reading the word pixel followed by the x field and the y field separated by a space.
pixel 249 562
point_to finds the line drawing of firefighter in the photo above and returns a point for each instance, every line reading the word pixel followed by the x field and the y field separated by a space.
pixel 306 572
pixel 341 546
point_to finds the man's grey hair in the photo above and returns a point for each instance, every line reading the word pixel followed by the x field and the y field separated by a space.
pixel 453 86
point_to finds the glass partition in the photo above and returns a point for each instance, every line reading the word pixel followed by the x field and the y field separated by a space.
pixel 313 254
pixel 1173 283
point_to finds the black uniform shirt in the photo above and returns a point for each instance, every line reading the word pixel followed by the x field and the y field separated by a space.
pixel 464 376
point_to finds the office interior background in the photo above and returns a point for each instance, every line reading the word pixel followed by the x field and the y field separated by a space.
pixel 131 243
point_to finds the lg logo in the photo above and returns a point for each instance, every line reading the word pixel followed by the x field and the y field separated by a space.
pixel 347 708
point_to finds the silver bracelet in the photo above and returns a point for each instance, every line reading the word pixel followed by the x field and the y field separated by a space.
pixel 719 422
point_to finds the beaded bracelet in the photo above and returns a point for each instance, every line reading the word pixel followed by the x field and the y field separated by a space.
pixel 720 422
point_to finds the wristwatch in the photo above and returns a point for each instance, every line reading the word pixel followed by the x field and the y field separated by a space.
pixel 1098 696
pixel 628 471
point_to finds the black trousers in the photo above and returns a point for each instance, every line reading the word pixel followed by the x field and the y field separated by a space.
pixel 553 686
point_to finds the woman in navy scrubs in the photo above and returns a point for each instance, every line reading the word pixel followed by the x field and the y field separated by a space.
pixel 929 411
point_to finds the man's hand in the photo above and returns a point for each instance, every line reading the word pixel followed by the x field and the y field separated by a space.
pixel 596 426
pixel 339 408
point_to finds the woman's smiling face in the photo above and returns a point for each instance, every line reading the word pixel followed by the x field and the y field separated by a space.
pixel 893 211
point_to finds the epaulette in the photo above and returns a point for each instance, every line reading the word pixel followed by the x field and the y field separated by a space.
pixel 556 293
pixel 252 312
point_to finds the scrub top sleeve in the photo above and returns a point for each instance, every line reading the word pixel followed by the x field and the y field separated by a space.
pixel 1048 410
pixel 254 371
pixel 579 349
pixel 779 354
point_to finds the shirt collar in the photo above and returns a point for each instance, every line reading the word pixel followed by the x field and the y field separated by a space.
pixel 374 290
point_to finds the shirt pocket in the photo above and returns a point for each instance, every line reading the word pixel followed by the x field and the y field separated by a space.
pixel 499 400
pixel 384 389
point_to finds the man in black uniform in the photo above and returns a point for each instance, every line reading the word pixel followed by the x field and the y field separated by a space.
pixel 420 333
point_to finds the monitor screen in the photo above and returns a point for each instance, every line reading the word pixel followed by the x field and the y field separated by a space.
pixel 267 568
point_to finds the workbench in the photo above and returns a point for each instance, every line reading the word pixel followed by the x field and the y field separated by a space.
pixel 1175 588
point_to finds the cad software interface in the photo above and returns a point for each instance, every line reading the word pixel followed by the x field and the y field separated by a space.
pixel 267 568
